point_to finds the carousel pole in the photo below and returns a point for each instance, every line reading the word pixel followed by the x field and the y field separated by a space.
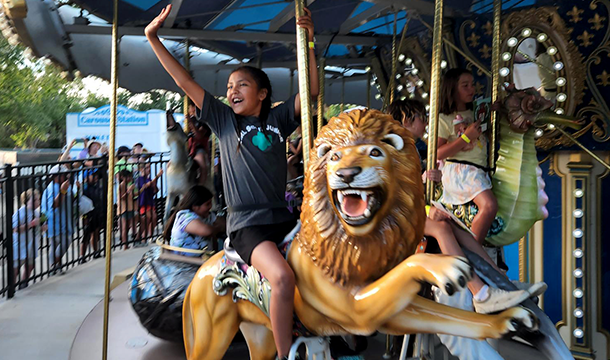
pixel 321 82
pixel 394 59
pixel 110 195
pixel 495 81
pixel 437 43
pixel 391 80
pixel 305 95
pixel 368 89
pixel 187 66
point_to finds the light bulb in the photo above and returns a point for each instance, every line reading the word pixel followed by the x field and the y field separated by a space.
pixel 551 50
pixel 558 65
pixel 561 97
pixel 559 111
pixel 578 253
pixel 577 273
pixel 526 32
pixel 578 193
pixel 578 333
pixel 577 293
pixel 578 213
pixel 512 42
pixel 401 57
pixel 504 71
pixel 579 313
pixel 577 233
pixel 506 56
pixel 560 81
pixel 542 37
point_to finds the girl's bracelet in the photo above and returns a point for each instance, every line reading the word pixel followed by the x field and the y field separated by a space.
pixel 465 138
pixel 427 210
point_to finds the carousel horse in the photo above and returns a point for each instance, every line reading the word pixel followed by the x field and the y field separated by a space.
pixel 179 178
pixel 353 257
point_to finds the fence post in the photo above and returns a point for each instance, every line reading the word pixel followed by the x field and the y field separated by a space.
pixel 8 235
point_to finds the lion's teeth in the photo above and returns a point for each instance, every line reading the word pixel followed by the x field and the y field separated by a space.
pixel 340 197
pixel 363 196
pixel 367 213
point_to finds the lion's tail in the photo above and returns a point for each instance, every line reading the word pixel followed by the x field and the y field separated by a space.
pixel 187 324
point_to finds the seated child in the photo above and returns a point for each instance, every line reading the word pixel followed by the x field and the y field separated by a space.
pixel 412 115
pixel 192 226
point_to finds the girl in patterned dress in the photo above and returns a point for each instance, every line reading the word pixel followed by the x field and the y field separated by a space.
pixel 465 175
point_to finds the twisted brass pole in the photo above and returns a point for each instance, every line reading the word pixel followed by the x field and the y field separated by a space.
pixel 393 75
pixel 114 63
pixel 495 81
pixel 394 60
pixel 304 93
pixel 368 89
pixel 187 66
pixel 322 85
pixel 437 43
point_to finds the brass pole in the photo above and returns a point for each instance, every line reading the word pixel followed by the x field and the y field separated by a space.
pixel 394 60
pixel 447 41
pixel 495 81
pixel 321 84
pixel 579 144
pixel 368 89
pixel 187 66
pixel 114 63
pixel 437 43
pixel 343 92
pixel 304 93
pixel 393 75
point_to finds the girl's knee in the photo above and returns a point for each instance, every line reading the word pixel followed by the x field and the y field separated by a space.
pixel 490 206
pixel 283 282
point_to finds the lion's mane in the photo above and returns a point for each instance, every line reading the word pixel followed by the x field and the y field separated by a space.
pixel 354 260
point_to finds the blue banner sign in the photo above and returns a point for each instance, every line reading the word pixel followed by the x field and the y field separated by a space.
pixel 101 117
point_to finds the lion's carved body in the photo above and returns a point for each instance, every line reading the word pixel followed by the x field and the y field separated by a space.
pixel 355 272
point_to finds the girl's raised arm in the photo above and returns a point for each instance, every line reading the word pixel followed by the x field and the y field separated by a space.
pixel 182 78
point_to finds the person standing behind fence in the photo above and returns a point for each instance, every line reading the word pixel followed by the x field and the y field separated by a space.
pixel 94 220
pixel 147 189
pixel 127 216
pixel 57 206
pixel 26 230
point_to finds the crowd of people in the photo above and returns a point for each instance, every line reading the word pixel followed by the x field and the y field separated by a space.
pixel 72 197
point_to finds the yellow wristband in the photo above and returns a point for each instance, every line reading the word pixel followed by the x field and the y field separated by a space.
pixel 427 210
pixel 465 138
pixel 311 45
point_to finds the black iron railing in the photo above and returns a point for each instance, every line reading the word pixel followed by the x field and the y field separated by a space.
pixel 44 228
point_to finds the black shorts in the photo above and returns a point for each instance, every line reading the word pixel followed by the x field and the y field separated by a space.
pixel 245 240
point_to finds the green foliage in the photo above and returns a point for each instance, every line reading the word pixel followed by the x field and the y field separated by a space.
pixel 335 109
pixel 36 95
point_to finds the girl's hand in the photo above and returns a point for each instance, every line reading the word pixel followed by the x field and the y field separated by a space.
pixel 130 188
pixel 433 175
pixel 34 223
pixel 152 28
pixel 437 215
pixel 306 23
pixel 65 186
pixel 473 131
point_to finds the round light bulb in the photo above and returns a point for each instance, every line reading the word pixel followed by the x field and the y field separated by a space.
pixel 412 96
pixel 398 76
pixel 578 193
pixel 579 313
pixel 424 95
pixel 419 82
pixel 558 65
pixel 559 111
pixel 367 69
pixel 578 253
pixel 415 71
pixel 578 213
pixel 577 273
pixel 512 42
pixel 551 127
pixel 577 233
pixel 526 32
pixel 372 82
pixel 504 71
pixel 409 61
pixel 560 81
pixel 577 293
pixel 399 87
pixel 378 96
pixel 562 97
pixel 551 50
pixel 539 132
pixel 506 56
pixel 403 98
pixel 578 333
pixel 443 64
pixel 542 37
pixel 401 57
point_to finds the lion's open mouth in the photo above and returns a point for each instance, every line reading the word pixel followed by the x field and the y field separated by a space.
pixel 358 206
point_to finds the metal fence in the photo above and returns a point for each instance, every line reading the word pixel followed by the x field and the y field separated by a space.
pixel 53 215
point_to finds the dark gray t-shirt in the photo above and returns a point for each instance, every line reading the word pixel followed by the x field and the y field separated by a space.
pixel 256 174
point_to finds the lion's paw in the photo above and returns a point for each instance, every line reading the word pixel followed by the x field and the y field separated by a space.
pixel 448 273
pixel 518 319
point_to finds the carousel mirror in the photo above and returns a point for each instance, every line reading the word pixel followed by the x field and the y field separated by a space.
pixel 536 53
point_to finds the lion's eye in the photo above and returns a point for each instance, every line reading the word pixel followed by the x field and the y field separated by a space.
pixel 323 149
pixel 335 157
pixel 376 152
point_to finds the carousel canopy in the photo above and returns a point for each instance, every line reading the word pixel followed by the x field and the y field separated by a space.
pixel 224 34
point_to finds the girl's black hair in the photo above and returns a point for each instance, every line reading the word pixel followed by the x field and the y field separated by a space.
pixel 449 91
pixel 195 196
pixel 408 108
pixel 262 82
